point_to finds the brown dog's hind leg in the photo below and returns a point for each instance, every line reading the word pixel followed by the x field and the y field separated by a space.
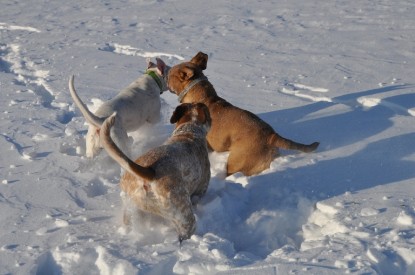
pixel 250 163
pixel 235 164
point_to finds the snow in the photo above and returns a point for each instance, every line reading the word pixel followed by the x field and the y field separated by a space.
pixel 338 72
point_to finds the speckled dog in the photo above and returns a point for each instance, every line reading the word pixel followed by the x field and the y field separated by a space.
pixel 164 180
pixel 251 142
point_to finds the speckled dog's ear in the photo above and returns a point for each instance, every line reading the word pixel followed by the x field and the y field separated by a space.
pixel 200 59
pixel 203 114
pixel 180 111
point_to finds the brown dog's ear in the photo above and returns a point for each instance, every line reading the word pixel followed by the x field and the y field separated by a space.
pixel 179 112
pixel 200 59
pixel 186 73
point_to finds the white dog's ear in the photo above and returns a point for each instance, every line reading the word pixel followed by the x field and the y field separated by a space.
pixel 200 59
pixel 161 66
pixel 186 73
pixel 149 63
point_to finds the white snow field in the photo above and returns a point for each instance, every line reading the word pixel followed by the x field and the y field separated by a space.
pixel 339 72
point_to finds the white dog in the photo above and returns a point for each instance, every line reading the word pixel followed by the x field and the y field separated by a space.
pixel 134 105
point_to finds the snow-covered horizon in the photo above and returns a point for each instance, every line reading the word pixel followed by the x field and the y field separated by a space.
pixel 338 72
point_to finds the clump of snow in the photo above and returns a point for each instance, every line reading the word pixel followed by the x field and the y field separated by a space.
pixel 405 219
pixel 368 211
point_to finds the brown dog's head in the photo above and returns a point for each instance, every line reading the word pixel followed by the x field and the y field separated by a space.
pixel 182 74
pixel 192 112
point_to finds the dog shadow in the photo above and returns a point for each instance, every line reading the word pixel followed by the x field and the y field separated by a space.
pixel 378 162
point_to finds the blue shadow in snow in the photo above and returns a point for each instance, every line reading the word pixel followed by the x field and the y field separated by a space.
pixel 380 162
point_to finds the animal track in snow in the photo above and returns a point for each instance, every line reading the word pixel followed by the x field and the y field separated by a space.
pixel 96 187
pixel 13 62
pixel 306 92
pixel 26 152
pixel 58 224
pixel 128 50
pixel 26 72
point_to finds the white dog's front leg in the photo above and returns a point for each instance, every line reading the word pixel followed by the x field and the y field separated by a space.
pixel 154 114
pixel 92 142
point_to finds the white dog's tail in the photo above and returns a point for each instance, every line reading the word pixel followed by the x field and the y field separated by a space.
pixel 112 149
pixel 89 116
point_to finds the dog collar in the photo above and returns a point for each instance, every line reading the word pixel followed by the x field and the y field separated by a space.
pixel 156 78
pixel 190 86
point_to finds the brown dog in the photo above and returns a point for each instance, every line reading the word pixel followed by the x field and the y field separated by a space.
pixel 251 142
pixel 163 180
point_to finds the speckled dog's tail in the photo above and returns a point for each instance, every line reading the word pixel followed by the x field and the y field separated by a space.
pixel 89 116
pixel 112 149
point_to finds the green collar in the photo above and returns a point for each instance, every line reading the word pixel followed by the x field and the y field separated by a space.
pixel 156 78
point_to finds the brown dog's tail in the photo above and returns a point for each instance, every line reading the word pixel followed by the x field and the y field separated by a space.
pixel 283 143
pixel 112 149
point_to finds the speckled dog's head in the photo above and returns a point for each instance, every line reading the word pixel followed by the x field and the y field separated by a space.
pixel 197 113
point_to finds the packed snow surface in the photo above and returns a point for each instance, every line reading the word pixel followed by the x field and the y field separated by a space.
pixel 339 72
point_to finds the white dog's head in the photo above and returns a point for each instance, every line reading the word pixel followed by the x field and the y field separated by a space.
pixel 162 71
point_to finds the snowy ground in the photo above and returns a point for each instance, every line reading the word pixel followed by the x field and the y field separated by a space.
pixel 339 72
